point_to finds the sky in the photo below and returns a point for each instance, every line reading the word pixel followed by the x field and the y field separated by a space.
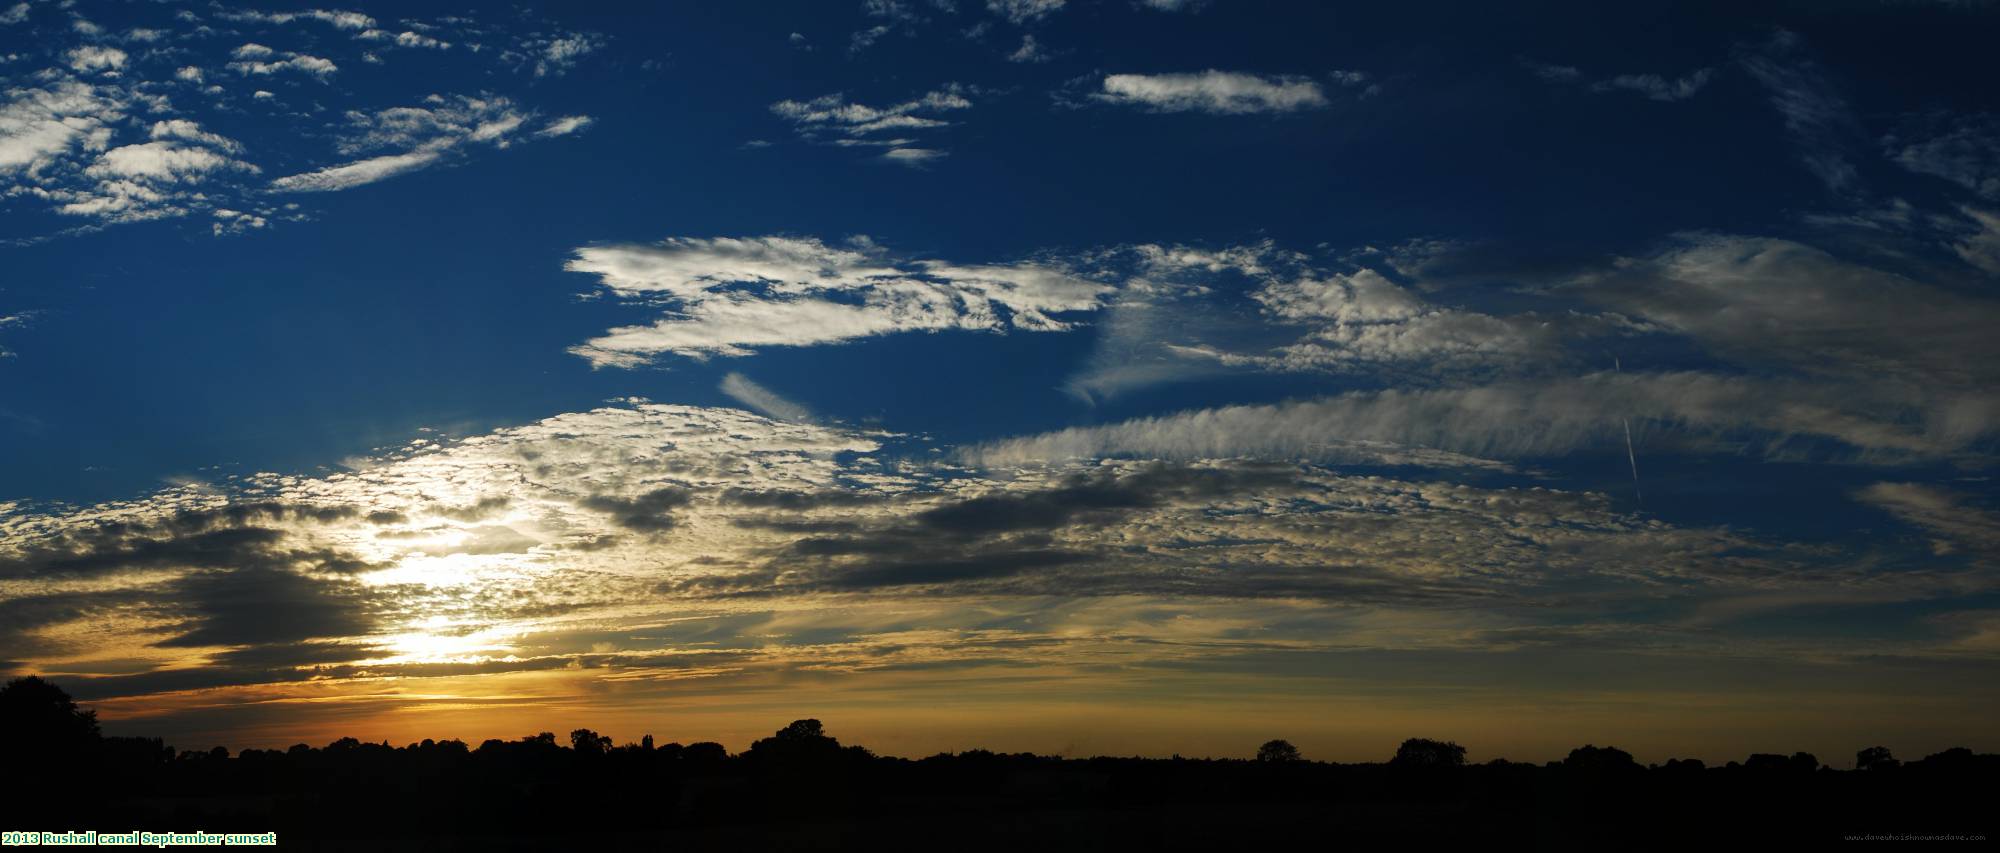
pixel 1124 377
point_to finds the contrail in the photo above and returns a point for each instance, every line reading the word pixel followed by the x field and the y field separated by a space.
pixel 1638 496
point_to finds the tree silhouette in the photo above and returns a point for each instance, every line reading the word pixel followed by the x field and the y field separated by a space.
pixel 587 742
pixel 802 743
pixel 38 718
pixel 1875 758
pixel 1278 752
pixel 542 791
pixel 1600 759
pixel 1424 752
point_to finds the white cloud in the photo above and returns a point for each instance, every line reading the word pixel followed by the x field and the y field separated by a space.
pixel 1024 11
pixel 338 18
pixel 1534 419
pixel 1776 301
pixel 1180 318
pixel 1814 112
pixel 425 136
pixel 38 126
pixel 99 136
pixel 834 112
pixel 14 14
pixel 311 65
pixel 406 38
pixel 1962 149
pixel 1982 248
pixel 731 295
pixel 89 58
pixel 556 56
pixel 765 401
pixel 912 156
pixel 1226 92
pixel 1029 51
pixel 1657 87
pixel 359 172
pixel 1954 522
pixel 565 126
pixel 164 161
pixel 190 131
pixel 860 125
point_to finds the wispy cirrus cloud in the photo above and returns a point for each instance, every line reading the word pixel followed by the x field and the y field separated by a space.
pixel 1814 111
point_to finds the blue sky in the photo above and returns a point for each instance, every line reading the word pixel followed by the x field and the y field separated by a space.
pixel 1290 336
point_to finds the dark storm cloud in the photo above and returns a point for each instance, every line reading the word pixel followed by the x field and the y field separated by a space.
pixel 933 570
pixel 266 605
pixel 478 511
pixel 219 538
pixel 107 550
pixel 21 618
pixel 650 512
pixel 795 501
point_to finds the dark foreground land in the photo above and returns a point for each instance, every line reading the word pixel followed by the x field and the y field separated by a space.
pixel 802 790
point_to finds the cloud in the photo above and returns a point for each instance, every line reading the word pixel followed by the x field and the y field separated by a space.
pixel 556 56
pixel 12 321
pixel 101 138
pixel 14 14
pixel 1963 149
pixel 359 172
pixel 1772 301
pixel 162 162
pixel 1187 312
pixel 631 543
pixel 38 126
pixel 1981 248
pixel 1816 115
pixel 565 126
pixel 428 134
pixel 765 401
pixel 90 58
pixel 732 295
pixel 1954 521
pixel 851 124
pixel 648 512
pixel 339 19
pixel 1021 12
pixel 313 66
pixel 190 131
pixel 1655 86
pixel 913 157
pixel 1221 92
pixel 1029 51
pixel 409 38
pixel 1520 420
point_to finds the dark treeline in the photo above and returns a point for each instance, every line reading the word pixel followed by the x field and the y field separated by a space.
pixel 802 789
